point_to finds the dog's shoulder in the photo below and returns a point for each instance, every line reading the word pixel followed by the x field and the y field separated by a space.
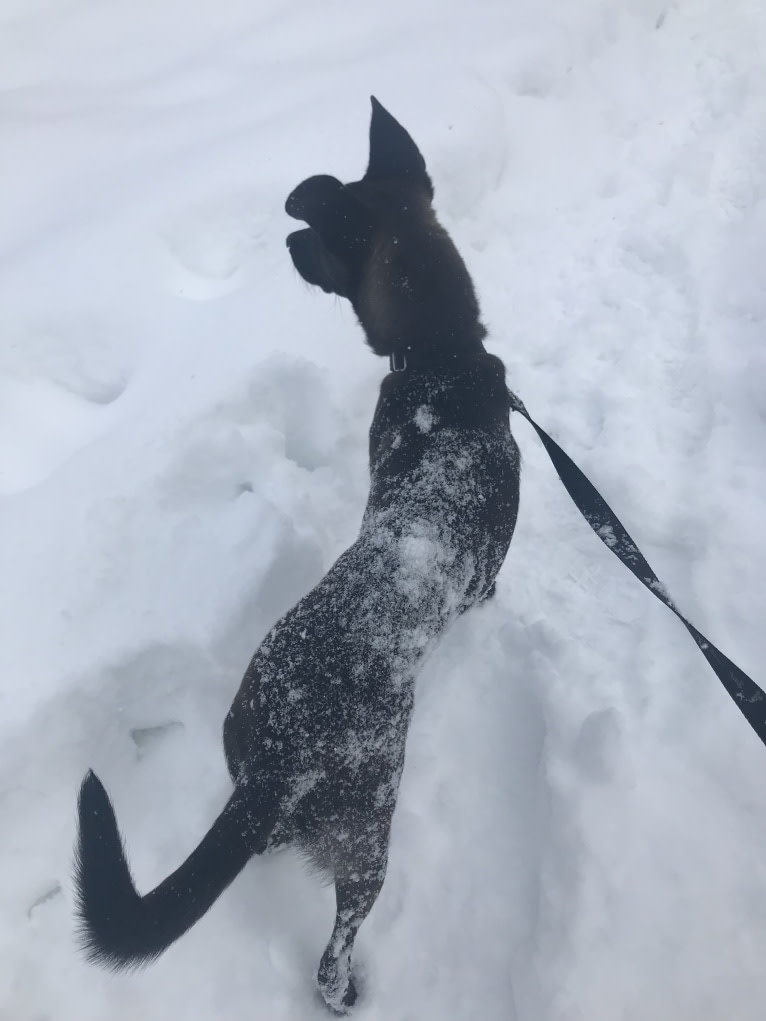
pixel 468 394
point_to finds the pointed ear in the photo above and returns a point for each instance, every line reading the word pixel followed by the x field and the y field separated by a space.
pixel 340 220
pixel 393 154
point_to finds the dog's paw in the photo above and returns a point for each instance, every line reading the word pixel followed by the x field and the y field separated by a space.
pixel 341 1007
pixel 350 996
pixel 336 986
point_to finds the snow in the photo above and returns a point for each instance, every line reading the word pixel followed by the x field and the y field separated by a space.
pixel 183 454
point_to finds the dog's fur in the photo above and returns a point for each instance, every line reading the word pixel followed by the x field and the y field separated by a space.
pixel 315 737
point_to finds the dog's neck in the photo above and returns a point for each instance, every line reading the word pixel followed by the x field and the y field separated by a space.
pixel 414 358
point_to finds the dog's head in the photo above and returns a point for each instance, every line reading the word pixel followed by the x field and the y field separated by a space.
pixel 378 243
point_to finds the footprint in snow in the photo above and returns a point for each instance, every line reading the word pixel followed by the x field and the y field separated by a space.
pixel 42 425
pixel 286 415
pixel 145 738
pixel 206 252
pixel 52 892
pixel 597 747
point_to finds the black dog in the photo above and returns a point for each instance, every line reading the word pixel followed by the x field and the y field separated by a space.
pixel 315 738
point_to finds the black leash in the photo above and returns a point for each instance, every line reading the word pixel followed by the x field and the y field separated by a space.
pixel 749 698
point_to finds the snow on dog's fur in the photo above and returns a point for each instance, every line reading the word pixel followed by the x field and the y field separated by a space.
pixel 315 738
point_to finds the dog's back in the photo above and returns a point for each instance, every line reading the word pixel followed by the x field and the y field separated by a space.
pixel 316 735
pixel 325 702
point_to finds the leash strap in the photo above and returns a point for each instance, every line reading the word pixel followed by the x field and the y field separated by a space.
pixel 749 698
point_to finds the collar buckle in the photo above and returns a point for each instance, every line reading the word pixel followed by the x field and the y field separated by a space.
pixel 397 361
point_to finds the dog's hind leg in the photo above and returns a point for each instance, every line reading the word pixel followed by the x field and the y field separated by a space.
pixel 358 879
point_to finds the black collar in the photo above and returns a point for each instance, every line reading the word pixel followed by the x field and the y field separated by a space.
pixel 407 358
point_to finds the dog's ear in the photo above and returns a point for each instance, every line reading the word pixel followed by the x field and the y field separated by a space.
pixel 393 154
pixel 343 224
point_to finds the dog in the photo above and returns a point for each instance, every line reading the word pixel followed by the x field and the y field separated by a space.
pixel 315 738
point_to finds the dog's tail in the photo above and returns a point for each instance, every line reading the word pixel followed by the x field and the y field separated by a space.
pixel 121 929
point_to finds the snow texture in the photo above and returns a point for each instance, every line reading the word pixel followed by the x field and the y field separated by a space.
pixel 183 438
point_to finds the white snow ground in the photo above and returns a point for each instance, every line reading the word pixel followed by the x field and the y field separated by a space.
pixel 582 821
